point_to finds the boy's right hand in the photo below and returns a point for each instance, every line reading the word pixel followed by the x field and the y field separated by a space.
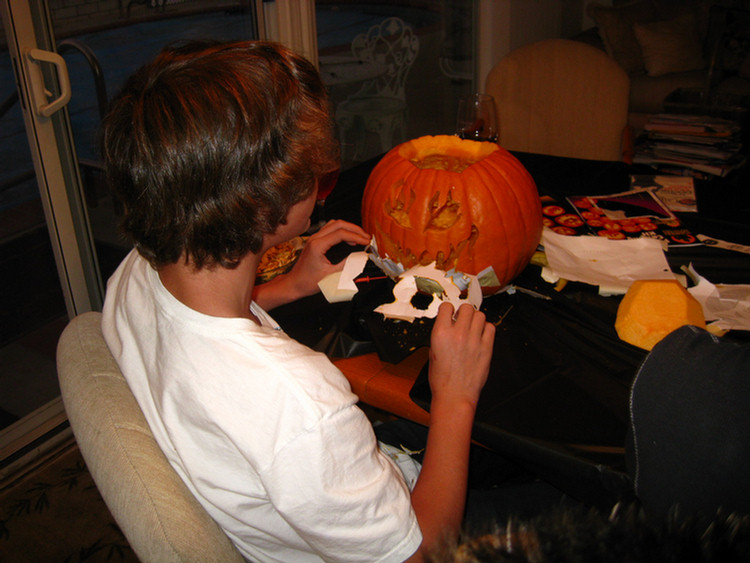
pixel 460 354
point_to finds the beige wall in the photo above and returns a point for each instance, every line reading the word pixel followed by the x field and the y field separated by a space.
pixel 507 24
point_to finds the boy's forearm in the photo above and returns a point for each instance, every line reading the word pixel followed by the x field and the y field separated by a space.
pixel 439 496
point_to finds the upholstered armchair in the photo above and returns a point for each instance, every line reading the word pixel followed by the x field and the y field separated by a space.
pixel 563 98
pixel 159 516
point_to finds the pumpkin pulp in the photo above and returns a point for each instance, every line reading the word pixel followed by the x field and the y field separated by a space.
pixel 446 153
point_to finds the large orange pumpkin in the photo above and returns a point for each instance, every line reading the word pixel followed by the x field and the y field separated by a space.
pixel 462 204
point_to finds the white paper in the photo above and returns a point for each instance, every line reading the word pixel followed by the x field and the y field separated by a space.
pixel 452 284
pixel 727 305
pixel 329 286
pixel 353 266
pixel 718 243
pixel 613 264
pixel 340 286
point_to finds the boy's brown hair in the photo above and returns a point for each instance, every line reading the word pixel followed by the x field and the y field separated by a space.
pixel 208 146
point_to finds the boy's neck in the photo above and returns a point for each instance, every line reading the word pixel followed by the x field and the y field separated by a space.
pixel 218 291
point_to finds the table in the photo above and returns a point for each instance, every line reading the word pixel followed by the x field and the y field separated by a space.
pixel 557 397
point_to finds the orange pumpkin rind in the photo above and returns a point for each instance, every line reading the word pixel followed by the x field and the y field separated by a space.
pixel 465 205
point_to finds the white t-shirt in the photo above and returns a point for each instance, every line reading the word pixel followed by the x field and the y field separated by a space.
pixel 264 431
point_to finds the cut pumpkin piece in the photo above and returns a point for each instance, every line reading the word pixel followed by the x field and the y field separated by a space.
pixel 651 309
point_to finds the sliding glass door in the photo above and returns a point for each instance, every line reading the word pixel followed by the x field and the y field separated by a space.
pixel 51 271
pixel 58 236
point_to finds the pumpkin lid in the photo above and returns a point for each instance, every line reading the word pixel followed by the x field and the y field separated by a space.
pixel 445 152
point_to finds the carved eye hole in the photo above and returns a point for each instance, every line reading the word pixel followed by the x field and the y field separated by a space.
pixel 445 216
pixel 399 209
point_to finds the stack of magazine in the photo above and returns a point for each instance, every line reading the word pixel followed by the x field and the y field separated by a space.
pixel 690 145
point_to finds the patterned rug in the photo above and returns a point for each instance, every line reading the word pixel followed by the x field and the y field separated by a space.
pixel 55 514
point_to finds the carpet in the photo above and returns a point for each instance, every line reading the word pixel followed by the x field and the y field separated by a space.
pixel 55 514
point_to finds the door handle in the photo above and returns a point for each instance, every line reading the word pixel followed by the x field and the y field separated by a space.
pixel 43 105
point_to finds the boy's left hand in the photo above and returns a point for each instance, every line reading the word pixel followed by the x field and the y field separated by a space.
pixel 313 264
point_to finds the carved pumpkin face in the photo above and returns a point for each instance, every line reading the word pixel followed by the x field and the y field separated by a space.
pixel 461 204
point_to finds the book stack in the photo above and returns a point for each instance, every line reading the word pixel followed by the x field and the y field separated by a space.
pixel 690 145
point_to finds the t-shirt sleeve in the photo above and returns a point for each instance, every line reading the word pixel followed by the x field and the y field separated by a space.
pixel 345 498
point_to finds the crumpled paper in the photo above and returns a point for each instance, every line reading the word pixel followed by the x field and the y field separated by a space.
pixel 727 305
pixel 389 267
pixel 613 265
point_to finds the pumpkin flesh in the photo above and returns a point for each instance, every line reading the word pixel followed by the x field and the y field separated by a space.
pixel 651 309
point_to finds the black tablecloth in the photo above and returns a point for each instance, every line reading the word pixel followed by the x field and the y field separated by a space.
pixel 557 397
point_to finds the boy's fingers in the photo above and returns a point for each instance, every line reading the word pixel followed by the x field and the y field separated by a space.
pixel 464 315
pixel 329 239
pixel 445 314
pixel 339 225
